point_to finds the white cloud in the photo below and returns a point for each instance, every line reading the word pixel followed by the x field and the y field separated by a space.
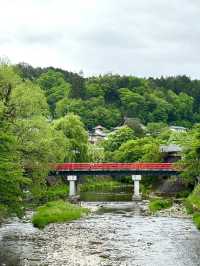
pixel 124 36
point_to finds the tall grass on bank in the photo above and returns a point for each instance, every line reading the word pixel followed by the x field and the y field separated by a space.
pixel 57 212
pixel 192 204
pixel 159 204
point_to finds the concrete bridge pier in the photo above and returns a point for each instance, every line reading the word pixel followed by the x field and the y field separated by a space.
pixel 72 185
pixel 136 194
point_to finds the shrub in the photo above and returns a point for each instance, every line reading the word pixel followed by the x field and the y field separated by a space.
pixel 159 204
pixel 188 206
pixel 3 212
pixel 196 219
pixel 57 211
pixel 194 198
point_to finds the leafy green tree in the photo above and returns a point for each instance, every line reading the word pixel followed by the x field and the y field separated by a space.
pixel 191 156
pixel 131 103
pixel 77 137
pixel 155 129
pixel 96 153
pixel 55 87
pixel 29 100
pixel 136 125
pixel 94 89
pixel 143 149
pixel 117 138
pixel 11 178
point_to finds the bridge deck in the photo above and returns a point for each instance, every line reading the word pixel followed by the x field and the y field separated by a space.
pixel 119 168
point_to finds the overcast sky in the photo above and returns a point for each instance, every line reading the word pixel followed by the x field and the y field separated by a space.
pixel 138 37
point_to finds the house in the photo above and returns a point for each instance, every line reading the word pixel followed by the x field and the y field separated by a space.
pixel 98 134
pixel 178 129
pixel 172 152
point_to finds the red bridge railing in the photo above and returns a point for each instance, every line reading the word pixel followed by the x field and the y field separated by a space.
pixel 113 166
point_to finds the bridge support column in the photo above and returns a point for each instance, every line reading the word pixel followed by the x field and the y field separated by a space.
pixel 136 179
pixel 72 185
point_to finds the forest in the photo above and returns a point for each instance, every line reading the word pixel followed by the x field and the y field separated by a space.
pixel 46 113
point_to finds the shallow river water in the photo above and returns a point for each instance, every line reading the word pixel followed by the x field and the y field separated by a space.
pixel 118 234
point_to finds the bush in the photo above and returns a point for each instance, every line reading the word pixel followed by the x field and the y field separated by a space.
pixel 57 211
pixel 194 198
pixel 188 206
pixel 159 204
pixel 42 194
pixel 196 219
pixel 57 192
pixel 3 212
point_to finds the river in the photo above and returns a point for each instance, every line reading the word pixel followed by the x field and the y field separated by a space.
pixel 118 234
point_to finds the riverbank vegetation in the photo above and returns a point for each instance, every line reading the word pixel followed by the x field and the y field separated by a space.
pixel 46 113
pixel 192 204
pixel 159 204
pixel 57 212
pixel 99 185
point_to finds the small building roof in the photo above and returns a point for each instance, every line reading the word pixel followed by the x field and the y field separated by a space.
pixel 99 127
pixel 170 148
pixel 178 128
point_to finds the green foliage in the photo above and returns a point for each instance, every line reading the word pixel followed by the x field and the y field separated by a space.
pixel 55 87
pixel 116 138
pixel 159 204
pixel 77 137
pixel 39 144
pixel 188 205
pixel 11 177
pixel 3 212
pixel 57 212
pixel 143 149
pixel 95 153
pixel 192 204
pixel 194 198
pixel 106 185
pixel 171 100
pixel 191 155
pixel 29 100
pixel 42 194
pixel 196 219
pixel 155 129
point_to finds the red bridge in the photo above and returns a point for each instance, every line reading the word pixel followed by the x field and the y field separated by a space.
pixel 116 168
pixel 73 170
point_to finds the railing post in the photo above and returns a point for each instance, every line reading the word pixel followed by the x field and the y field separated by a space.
pixel 136 179
pixel 72 185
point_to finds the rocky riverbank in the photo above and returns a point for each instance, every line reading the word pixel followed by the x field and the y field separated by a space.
pixel 176 211
pixel 114 234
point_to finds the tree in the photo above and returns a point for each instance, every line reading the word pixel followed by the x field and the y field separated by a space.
pixel 77 137
pixel 29 100
pixel 55 87
pixel 117 138
pixel 11 178
pixel 191 155
pixel 155 129
pixel 143 149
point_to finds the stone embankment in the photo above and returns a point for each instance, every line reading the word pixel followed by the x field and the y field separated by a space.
pixel 176 211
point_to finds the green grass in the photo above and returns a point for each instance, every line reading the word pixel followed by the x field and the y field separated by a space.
pixel 194 198
pixel 196 219
pixel 57 192
pixel 159 204
pixel 192 204
pixel 57 212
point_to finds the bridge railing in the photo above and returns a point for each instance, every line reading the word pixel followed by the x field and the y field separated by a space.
pixel 113 166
